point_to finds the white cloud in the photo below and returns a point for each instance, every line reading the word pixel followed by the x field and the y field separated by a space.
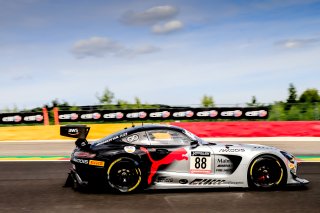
pixel 102 46
pixel 95 46
pixel 167 27
pixel 146 49
pixel 296 43
pixel 149 16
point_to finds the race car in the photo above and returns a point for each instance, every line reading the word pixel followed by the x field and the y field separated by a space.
pixel 169 157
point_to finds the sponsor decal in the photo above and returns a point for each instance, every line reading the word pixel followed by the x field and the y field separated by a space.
pixel 164 179
pixel 94 116
pixel 258 113
pixel 206 182
pixel 200 153
pixel 16 119
pixel 233 113
pixel 132 138
pixel 71 116
pixel 211 113
pixel 233 183
pixel 33 118
pixel 141 114
pixel 82 161
pixel 112 139
pixel 223 160
pixel 129 149
pixel 83 144
pixel 74 131
pixel 187 114
pixel 183 181
pixel 232 150
pixel 224 170
pixel 225 165
pixel 115 115
pixel 178 155
pixel 96 163
pixel 163 114
pixel 200 162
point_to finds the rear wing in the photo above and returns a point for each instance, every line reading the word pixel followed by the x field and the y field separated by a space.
pixel 75 131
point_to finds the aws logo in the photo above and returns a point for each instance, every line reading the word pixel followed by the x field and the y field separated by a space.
pixel 73 131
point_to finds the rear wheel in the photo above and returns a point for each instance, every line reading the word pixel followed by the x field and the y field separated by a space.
pixel 124 175
pixel 266 172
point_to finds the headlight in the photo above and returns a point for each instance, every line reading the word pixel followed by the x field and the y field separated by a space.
pixel 291 162
pixel 288 156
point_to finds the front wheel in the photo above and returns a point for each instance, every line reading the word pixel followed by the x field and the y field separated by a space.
pixel 124 175
pixel 266 172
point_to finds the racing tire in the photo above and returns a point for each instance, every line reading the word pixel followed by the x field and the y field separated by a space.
pixel 124 175
pixel 266 172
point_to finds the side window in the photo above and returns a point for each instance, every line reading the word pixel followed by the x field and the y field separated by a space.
pixel 167 137
pixel 137 138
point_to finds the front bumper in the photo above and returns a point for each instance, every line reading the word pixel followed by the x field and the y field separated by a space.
pixel 296 181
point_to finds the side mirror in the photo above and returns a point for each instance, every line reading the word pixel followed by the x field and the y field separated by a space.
pixel 194 144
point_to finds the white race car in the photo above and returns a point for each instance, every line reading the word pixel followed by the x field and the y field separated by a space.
pixel 165 157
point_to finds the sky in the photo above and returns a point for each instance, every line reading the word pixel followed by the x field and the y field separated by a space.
pixel 164 52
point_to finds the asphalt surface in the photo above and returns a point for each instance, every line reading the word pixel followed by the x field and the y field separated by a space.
pixel 37 187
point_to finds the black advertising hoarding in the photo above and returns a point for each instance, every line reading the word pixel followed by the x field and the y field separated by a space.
pixel 234 113
pixel 18 118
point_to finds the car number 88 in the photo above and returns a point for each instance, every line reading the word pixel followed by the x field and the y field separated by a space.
pixel 200 164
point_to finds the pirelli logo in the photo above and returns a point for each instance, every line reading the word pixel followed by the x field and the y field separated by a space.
pixel 96 163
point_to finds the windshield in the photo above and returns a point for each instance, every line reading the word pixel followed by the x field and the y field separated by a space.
pixel 194 137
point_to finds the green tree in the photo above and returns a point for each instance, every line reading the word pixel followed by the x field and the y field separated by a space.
pixel 106 97
pixel 292 98
pixel 309 96
pixel 277 112
pixel 207 101
pixel 253 102
pixel 137 102
pixel 294 114
pixel 123 104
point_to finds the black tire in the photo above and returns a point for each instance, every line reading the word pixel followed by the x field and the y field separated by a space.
pixel 124 175
pixel 266 172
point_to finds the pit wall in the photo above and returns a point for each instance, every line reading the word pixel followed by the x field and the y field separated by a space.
pixel 202 129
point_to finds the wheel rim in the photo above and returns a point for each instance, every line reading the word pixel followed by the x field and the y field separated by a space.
pixel 266 173
pixel 124 175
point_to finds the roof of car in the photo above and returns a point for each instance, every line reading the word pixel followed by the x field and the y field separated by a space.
pixel 151 127
pixel 134 129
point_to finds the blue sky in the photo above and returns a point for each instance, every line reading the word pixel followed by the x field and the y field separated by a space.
pixel 169 52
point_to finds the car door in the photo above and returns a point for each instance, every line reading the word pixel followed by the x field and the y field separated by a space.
pixel 176 154
pixel 168 150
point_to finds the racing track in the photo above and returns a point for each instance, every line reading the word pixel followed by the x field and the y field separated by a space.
pixel 37 187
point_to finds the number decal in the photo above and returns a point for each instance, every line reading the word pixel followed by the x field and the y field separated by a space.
pixel 203 163
pixel 197 164
pixel 200 162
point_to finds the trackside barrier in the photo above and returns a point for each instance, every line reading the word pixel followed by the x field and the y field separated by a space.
pixel 164 114
pixel 253 128
pixel 45 116
pixel 56 115
pixel 25 117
